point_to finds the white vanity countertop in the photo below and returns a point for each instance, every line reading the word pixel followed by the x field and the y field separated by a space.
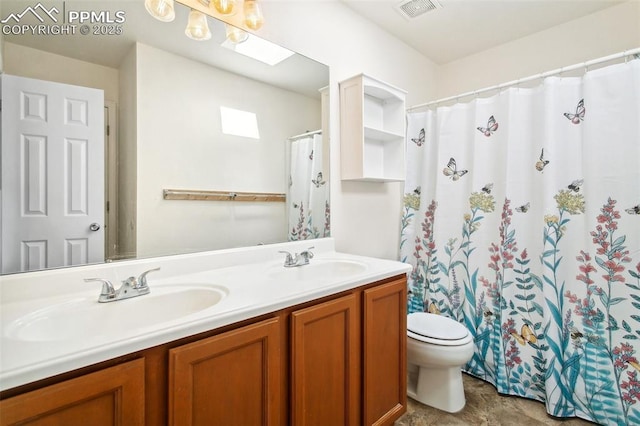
pixel 253 280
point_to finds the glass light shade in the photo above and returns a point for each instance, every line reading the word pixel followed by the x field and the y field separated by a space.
pixel 162 10
pixel 235 34
pixel 253 14
pixel 197 27
pixel 225 7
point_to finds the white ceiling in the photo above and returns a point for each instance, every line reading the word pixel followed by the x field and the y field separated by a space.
pixel 464 27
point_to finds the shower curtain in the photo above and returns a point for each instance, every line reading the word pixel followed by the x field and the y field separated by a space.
pixel 521 220
pixel 308 209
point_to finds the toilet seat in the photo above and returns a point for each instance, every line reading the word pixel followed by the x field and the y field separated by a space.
pixel 437 330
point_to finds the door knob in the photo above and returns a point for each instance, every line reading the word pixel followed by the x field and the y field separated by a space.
pixel 94 227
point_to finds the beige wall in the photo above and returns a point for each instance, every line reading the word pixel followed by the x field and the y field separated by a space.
pixel 1 52
pixel 127 156
pixel 603 33
pixel 28 62
pixel 180 146
pixel 365 216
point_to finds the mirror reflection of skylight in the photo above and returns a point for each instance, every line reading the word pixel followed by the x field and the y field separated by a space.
pixel 259 49
pixel 239 123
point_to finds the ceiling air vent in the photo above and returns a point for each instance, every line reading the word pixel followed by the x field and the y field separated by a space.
pixel 413 8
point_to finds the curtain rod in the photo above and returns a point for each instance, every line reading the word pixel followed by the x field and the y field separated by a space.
pixel 304 135
pixel 584 65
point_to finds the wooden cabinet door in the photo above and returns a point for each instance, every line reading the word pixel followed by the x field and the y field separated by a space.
pixel 384 353
pixel 325 364
pixel 113 396
pixel 230 379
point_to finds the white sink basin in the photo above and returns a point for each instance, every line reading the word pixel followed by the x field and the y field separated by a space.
pixel 318 270
pixel 85 318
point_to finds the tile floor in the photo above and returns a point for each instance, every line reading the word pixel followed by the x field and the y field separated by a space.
pixel 485 407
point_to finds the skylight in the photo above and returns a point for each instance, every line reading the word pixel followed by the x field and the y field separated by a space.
pixel 239 123
pixel 259 49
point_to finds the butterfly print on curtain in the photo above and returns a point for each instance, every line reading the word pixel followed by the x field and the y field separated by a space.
pixel 420 139
pixel 579 115
pixel 318 181
pixel 452 170
pixel 541 163
pixel 492 126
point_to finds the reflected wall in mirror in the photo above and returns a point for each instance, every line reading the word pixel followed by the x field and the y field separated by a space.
pixel 163 94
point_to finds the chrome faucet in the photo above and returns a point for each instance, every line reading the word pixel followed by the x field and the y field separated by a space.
pixel 131 287
pixel 298 259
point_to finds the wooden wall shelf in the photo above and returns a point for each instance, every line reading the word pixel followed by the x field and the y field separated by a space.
pixel 186 194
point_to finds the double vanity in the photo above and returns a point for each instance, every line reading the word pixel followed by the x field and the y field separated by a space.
pixel 225 337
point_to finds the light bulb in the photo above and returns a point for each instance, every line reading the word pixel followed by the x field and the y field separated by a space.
pixel 162 10
pixel 235 34
pixel 197 27
pixel 253 14
pixel 225 7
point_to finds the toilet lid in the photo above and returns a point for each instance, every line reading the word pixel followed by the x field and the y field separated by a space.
pixel 435 326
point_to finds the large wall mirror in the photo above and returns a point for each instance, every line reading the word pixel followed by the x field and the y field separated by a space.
pixel 202 147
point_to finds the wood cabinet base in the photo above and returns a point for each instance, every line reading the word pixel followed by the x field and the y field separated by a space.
pixel 339 360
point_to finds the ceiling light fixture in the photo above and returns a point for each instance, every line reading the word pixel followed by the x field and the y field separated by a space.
pixel 162 10
pixel 197 27
pixel 224 7
pixel 235 34
pixel 253 14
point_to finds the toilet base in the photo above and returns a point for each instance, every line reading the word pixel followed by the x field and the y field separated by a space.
pixel 438 387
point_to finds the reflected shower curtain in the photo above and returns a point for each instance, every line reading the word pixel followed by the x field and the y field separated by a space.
pixel 308 192
pixel 522 221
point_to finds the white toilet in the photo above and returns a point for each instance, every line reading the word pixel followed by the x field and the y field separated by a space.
pixel 437 348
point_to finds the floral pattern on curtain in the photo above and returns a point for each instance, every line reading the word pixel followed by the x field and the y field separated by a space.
pixel 522 221
pixel 308 208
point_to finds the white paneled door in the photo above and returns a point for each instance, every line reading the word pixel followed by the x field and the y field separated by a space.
pixel 52 175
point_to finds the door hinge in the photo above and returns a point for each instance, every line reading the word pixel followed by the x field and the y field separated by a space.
pixel 108 206
pixel 108 130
